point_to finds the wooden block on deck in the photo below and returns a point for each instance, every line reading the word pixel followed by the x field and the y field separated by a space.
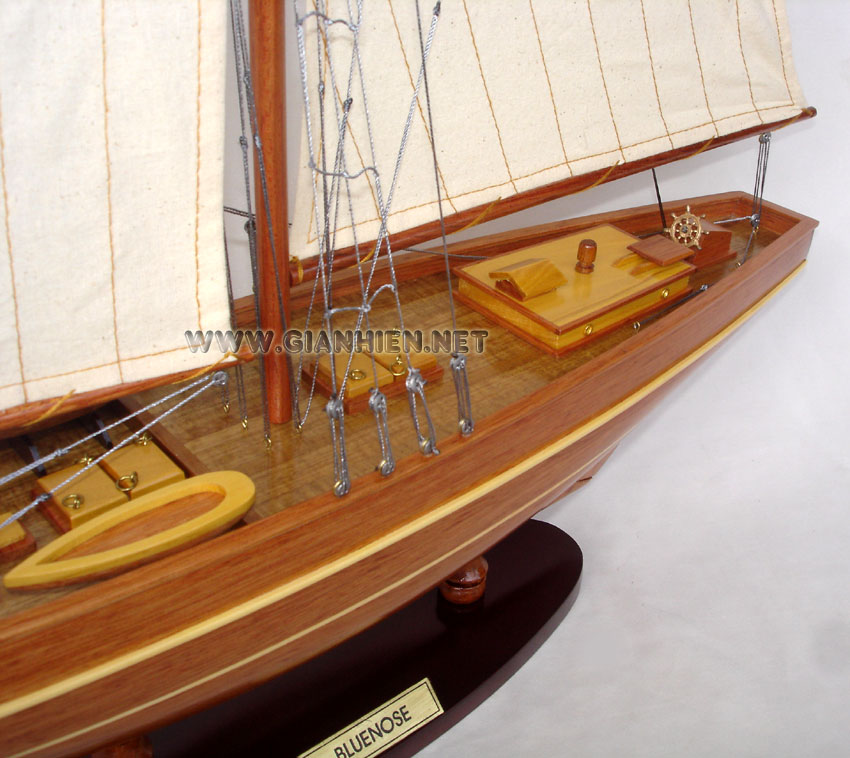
pixel 660 249
pixel 528 278
pixel 96 490
pixel 15 540
pixel 360 376
pixel 622 288
pixel 391 375
pixel 143 462
pixel 396 363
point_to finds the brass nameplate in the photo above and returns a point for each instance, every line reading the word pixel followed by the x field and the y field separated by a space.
pixel 383 727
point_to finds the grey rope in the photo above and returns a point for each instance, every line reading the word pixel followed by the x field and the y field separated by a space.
pixel 219 378
pixel 239 373
pixel 250 224
pixel 58 453
pixel 458 362
pixel 758 196
pixel 758 190
pixel 246 101
pixel 335 180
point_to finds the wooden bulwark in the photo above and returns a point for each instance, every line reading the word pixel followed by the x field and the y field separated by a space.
pixel 137 646
pixel 305 269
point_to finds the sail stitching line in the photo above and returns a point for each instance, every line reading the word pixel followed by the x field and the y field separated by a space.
pixel 604 83
pixel 781 51
pixel 676 132
pixel 699 64
pixel 549 84
pixel 33 380
pixel 489 100
pixel 198 171
pixel 418 105
pixel 109 186
pixel 8 230
pixel 652 70
pixel 744 60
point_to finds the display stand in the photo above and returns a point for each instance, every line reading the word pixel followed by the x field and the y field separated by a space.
pixel 465 651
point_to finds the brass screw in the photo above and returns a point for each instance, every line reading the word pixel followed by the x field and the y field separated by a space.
pixel 588 330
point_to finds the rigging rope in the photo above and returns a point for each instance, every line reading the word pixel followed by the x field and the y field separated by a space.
pixel 247 104
pixel 334 181
pixel 218 379
pixel 458 362
pixel 758 190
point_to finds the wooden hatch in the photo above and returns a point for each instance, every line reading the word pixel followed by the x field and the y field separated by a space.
pixel 620 286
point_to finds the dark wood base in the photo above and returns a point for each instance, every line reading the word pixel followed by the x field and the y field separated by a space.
pixel 467 652
pixel 135 747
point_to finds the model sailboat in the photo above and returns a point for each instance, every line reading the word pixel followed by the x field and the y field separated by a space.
pixel 573 95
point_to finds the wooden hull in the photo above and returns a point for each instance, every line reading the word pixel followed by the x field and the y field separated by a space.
pixel 141 649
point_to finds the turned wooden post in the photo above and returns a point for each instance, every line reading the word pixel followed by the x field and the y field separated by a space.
pixel 466 585
pixel 586 256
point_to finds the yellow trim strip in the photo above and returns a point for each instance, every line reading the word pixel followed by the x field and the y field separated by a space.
pixel 281 643
pixel 57 689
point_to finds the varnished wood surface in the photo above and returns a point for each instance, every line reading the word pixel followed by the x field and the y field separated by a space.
pixel 523 200
pixel 145 524
pixel 16 542
pixel 640 220
pixel 507 371
pixel 26 419
pixel 269 76
pixel 148 528
pixel 619 277
pixel 521 396
pixel 660 249
pixel 468 584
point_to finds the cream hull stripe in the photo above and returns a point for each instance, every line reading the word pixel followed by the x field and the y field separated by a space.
pixel 272 596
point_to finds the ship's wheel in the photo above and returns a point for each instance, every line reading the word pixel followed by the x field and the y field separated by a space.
pixel 686 229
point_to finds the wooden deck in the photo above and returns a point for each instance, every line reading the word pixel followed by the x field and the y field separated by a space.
pixel 299 464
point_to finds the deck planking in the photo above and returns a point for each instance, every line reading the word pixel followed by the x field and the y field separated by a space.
pixel 299 464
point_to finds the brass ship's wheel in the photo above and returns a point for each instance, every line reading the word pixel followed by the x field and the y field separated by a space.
pixel 686 229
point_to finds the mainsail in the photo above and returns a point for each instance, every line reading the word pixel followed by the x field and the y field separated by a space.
pixel 111 141
pixel 533 100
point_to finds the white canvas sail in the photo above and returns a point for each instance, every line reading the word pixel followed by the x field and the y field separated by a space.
pixel 111 137
pixel 527 93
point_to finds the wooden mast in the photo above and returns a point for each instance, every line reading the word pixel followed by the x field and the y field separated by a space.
pixel 266 31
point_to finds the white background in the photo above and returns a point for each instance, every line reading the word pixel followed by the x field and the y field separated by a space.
pixel 714 613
